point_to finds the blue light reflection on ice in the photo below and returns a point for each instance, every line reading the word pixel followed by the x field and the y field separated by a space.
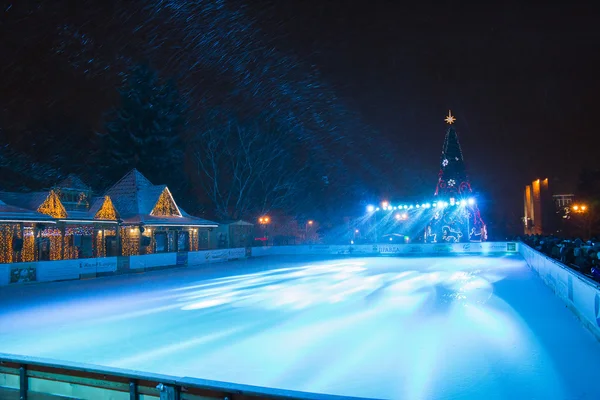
pixel 395 327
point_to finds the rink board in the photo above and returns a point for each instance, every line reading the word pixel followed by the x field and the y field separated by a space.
pixel 579 293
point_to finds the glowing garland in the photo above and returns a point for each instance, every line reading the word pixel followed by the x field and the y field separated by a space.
pixel 54 235
pixel 165 206
pixel 194 242
pixel 28 252
pixel 129 241
pixel 107 211
pixel 52 206
pixel 6 244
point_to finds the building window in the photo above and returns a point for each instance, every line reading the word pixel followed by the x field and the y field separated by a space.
pixel 183 241
pixel 160 240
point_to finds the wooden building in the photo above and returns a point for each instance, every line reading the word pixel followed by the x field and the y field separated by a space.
pixel 151 220
pixel 68 222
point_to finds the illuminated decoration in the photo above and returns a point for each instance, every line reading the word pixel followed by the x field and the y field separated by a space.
pixel 107 211
pixel 82 200
pixel 194 240
pixel 130 241
pixel 6 243
pixel 100 240
pixel 450 118
pixel 462 221
pixel 28 252
pixel 52 206
pixel 79 230
pixel 54 235
pixel 165 206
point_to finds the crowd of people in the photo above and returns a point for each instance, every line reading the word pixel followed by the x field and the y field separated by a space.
pixel 583 256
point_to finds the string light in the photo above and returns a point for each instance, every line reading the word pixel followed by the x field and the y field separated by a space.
pixel 107 211
pixel 165 206
pixel 194 243
pixel 6 243
pixel 129 241
pixel 28 252
pixel 52 206
pixel 148 233
pixel 54 235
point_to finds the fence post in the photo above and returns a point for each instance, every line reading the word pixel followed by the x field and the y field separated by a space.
pixel 168 392
pixel 23 383
pixel 133 392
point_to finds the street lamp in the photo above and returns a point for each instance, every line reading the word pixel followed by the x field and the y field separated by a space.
pixel 264 221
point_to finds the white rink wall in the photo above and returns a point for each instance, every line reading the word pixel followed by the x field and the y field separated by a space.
pixel 579 293
pixel 47 271
pixel 391 249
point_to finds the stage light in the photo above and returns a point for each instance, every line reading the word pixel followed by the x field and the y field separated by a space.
pixel 405 207
pixel 471 201
pixel 377 209
pixel 384 204
pixel 411 206
pixel 452 201
pixel 395 208
pixel 427 205
pixel 397 216
pixel 370 208
pixel 463 203
pixel 434 205
pixel 356 231
pixel 418 206
pixel 391 239
pixel 405 216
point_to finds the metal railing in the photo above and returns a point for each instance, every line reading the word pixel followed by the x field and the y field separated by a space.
pixel 24 378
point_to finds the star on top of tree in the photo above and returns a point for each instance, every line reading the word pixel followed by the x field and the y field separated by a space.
pixel 450 118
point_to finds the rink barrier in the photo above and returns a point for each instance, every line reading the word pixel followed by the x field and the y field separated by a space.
pixel 36 378
pixel 391 249
pixel 52 271
pixel 63 270
pixel 579 293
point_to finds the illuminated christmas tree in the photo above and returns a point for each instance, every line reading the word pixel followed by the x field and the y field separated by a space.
pixel 457 217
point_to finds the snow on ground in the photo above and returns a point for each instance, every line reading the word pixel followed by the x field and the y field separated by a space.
pixel 401 328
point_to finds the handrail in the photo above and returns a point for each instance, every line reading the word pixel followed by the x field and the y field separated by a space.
pixel 123 380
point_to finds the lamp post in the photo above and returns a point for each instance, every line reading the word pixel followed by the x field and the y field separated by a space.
pixel 264 221
pixel 309 224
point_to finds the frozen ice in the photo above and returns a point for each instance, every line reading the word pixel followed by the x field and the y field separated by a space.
pixel 385 327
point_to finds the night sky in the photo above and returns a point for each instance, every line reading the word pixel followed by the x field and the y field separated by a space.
pixel 521 80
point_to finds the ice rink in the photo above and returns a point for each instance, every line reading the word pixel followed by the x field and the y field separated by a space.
pixel 400 328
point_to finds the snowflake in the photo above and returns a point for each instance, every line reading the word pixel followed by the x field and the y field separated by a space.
pixel 445 162
pixel 451 182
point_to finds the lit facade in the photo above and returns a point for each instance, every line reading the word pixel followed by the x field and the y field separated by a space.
pixel 540 208
pixel 68 222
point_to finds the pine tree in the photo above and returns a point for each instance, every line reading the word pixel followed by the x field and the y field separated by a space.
pixel 145 131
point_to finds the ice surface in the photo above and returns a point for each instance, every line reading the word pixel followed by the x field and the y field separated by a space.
pixel 401 328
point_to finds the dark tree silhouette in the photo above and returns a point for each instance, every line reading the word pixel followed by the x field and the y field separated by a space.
pixel 145 131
